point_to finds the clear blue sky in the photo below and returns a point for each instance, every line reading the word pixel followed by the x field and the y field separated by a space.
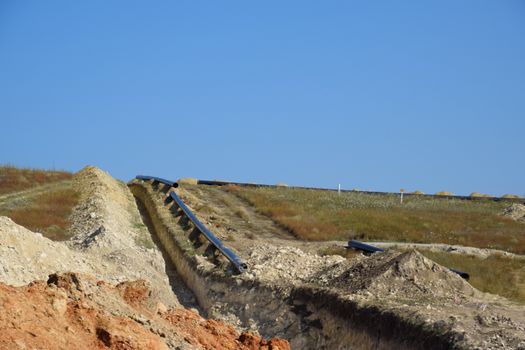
pixel 376 95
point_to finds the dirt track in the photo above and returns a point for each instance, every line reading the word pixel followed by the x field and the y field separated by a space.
pixel 11 199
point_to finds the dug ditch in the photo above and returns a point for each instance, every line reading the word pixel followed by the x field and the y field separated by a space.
pixel 309 316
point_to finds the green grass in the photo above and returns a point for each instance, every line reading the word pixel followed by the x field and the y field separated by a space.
pixel 324 215
pixel 13 179
pixel 46 212
pixel 496 274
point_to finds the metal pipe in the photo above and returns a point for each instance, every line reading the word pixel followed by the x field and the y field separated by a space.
pixel 363 246
pixel 234 259
pixel 158 179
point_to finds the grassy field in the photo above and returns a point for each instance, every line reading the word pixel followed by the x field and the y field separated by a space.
pixel 496 274
pixel 325 215
pixel 14 179
pixel 38 200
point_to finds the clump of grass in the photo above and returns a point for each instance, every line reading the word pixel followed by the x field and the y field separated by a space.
pixel 13 179
pixel 324 215
pixel 495 274
pixel 204 209
pixel 243 214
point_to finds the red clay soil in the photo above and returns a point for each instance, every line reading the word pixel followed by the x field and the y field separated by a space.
pixel 211 334
pixel 74 311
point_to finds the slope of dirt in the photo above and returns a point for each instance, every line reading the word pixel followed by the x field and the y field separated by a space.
pixel 108 224
pixel 28 256
pixel 77 311
pixel 109 241
pixel 74 310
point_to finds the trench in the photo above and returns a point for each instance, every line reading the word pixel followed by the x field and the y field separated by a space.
pixel 307 316
pixel 184 295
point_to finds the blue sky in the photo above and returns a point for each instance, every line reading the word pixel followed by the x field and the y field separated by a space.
pixel 374 95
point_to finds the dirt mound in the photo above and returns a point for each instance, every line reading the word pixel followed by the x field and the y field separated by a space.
pixel 444 193
pixel 110 242
pixel 107 223
pixel 407 274
pixel 91 314
pixel 287 265
pixel 27 256
pixel 187 181
pixel 391 273
pixel 515 212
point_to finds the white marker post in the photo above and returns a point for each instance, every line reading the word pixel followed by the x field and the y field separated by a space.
pixel 339 190
pixel 402 191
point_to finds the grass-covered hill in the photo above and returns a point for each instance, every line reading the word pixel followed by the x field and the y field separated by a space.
pixel 41 200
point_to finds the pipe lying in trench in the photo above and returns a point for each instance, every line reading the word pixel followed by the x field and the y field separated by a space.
pixel 231 256
pixel 308 316
pixel 239 265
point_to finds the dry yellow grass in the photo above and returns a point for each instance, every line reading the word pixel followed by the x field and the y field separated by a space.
pixel 46 211
pixel 14 179
pixel 323 215
pixel 496 274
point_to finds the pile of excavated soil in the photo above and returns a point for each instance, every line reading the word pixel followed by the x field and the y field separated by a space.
pixel 405 275
pixel 107 223
pixel 515 212
pixel 27 256
pixel 406 283
pixel 77 311
pixel 288 265
pixel 109 241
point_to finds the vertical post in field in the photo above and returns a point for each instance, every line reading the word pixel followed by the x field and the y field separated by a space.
pixel 402 191
pixel 339 190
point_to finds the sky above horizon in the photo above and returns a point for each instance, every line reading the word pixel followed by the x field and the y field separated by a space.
pixel 375 95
